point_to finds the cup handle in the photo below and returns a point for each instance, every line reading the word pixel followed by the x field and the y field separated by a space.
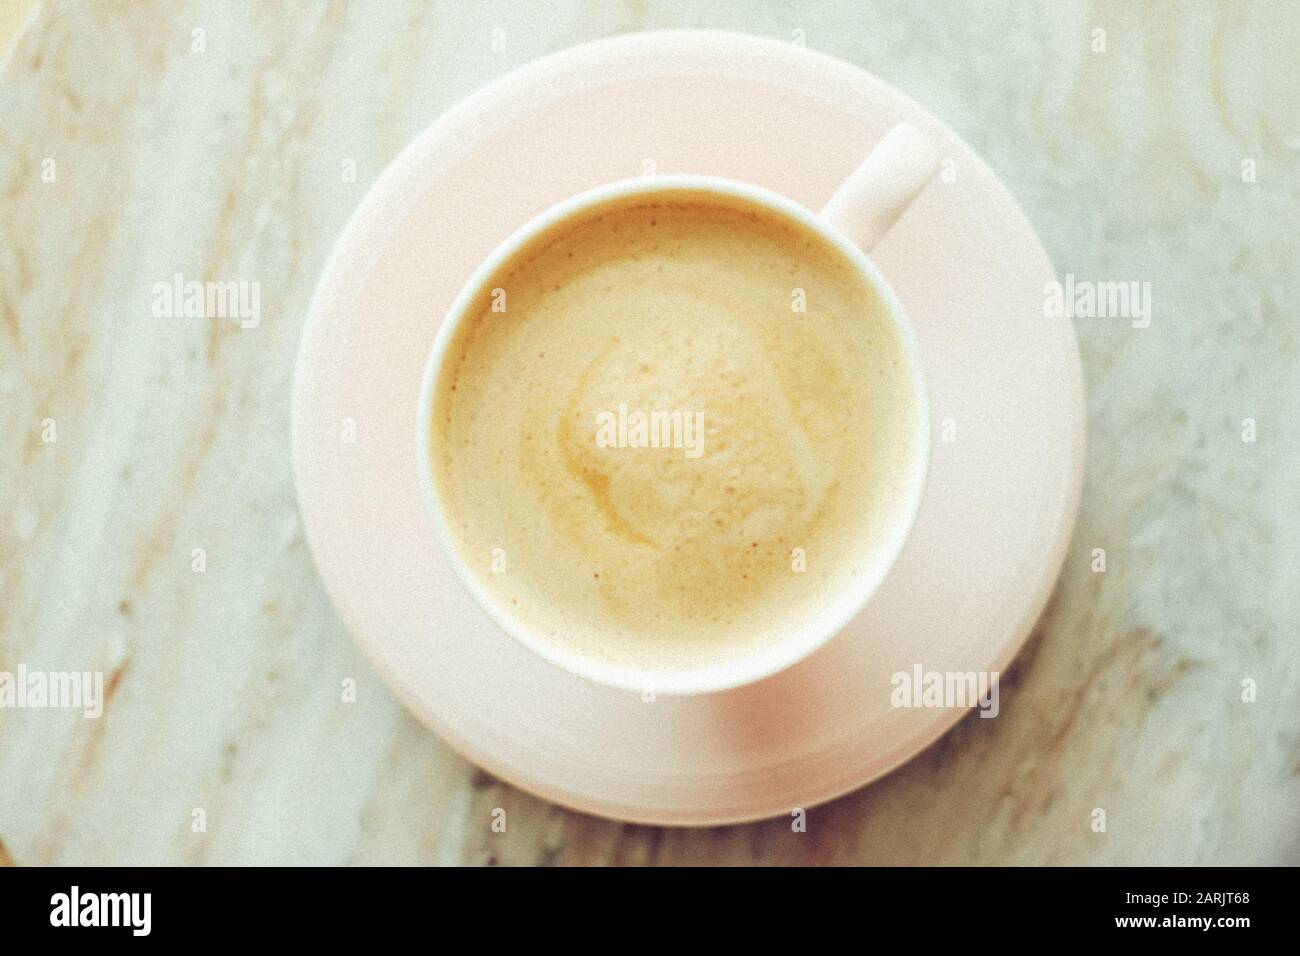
pixel 870 201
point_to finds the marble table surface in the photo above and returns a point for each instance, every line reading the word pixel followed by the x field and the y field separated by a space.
pixel 148 527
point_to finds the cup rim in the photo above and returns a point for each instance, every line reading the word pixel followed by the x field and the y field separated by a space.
pixel 818 630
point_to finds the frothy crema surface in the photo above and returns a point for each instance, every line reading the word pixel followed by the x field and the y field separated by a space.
pixel 670 430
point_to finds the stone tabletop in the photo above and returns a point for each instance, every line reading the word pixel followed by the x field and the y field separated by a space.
pixel 148 528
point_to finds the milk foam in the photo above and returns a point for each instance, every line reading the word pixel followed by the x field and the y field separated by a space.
pixel 644 555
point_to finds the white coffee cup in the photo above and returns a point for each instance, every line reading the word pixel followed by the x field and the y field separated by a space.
pixel 864 207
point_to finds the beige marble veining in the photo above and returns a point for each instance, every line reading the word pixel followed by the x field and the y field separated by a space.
pixel 170 437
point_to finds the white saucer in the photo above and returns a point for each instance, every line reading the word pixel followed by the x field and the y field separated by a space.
pixel 1005 383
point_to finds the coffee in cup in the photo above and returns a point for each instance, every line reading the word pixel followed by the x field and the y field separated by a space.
pixel 670 429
